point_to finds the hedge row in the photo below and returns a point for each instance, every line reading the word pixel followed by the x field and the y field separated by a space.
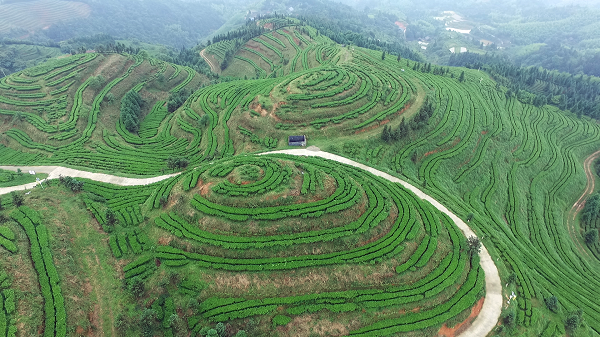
pixel 55 322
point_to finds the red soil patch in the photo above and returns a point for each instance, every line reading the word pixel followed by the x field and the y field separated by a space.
pixel 456 330
pixel 515 149
pixel 440 149
pixel 401 25
pixel 269 26
pixel 484 132
pixel 204 189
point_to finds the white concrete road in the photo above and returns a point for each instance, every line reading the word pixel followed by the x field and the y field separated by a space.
pixel 55 171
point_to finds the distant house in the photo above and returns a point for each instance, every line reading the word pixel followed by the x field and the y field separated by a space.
pixel 297 140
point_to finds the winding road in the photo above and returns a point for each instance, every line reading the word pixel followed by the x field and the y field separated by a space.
pixel 578 206
pixel 492 306
pixel 214 68
pixel 56 171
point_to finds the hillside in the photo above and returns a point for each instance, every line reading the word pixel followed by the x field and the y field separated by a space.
pixel 290 245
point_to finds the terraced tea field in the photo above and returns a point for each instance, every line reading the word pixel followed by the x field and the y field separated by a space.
pixel 281 245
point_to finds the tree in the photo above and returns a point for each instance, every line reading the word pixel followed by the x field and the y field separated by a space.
pixel 204 120
pixel 177 162
pixel 509 318
pixel 131 107
pixel 385 134
pixel 474 245
pixel 470 217
pixel 177 99
pixel 17 199
pixel 552 303
pixel 241 333
pixel 399 58
pixel 136 286
pixel 110 97
pixel 111 219
pixel 401 131
pixel 591 236
pixel 383 56
pixel 574 320
pixel 96 82
pixel 461 78
pixel 220 329
pixel 414 157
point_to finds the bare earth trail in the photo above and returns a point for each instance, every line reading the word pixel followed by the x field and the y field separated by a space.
pixel 492 306
pixel 214 68
pixel 55 172
pixel 578 206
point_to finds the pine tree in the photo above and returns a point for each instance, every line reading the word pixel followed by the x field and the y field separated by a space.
pixel 385 134
pixel 399 58
pixel 383 56
pixel 462 77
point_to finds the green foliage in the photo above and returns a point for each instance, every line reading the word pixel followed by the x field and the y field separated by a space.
pixel 176 99
pixel 281 320
pixel 574 320
pixel 474 245
pixel 17 199
pixel 131 105
pixel 591 236
pixel 552 303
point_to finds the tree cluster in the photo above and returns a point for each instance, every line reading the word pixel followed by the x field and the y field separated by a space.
pixel 177 163
pixel 131 106
pixel 420 120
pixel 176 99
pixel 71 183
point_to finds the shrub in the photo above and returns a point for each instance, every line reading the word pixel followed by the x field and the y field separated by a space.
pixel 574 320
pixel 591 236
pixel 281 320
pixel 474 245
pixel 17 199
pixel 509 318
pixel 136 286
pixel 552 303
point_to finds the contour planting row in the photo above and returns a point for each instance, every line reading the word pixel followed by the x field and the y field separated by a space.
pixel 54 307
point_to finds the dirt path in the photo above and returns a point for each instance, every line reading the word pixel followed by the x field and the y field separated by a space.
pixel 578 206
pixel 55 171
pixel 492 305
pixel 213 67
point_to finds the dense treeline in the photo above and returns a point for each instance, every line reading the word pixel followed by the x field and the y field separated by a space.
pixel 556 56
pixel 538 86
